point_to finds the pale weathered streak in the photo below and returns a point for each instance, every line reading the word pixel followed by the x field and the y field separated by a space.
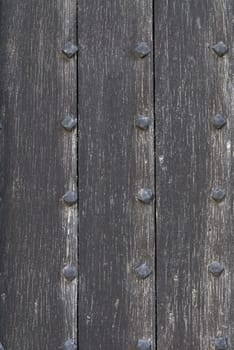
pixel 70 229
pixel 69 141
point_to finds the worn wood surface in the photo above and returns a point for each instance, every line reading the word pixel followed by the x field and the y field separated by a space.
pixel 38 164
pixel 116 308
pixel 180 85
pixel 193 158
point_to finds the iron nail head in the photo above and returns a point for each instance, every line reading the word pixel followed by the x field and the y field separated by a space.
pixel 220 49
pixel 70 345
pixel 143 344
pixel 70 272
pixel 69 123
pixel 218 194
pixel 142 50
pixel 218 121
pixel 143 122
pixel 216 268
pixel 70 49
pixel 143 271
pixel 221 343
pixel 145 195
pixel 70 198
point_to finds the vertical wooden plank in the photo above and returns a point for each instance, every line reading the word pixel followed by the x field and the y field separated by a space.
pixel 193 84
pixel 116 307
pixel 38 233
pixel 219 241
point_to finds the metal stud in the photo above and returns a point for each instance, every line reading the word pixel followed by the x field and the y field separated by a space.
pixel 143 122
pixel 221 343
pixel 70 198
pixel 216 268
pixel 220 49
pixel 70 272
pixel 1 346
pixel 69 49
pixel 143 271
pixel 145 195
pixel 142 50
pixel 143 344
pixel 69 123
pixel 218 121
pixel 218 194
pixel 70 345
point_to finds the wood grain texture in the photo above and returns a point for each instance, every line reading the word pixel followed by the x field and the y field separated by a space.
pixel 38 234
pixel 192 85
pixel 115 161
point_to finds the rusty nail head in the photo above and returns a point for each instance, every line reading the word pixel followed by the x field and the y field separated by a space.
pixel 216 268
pixel 218 121
pixel 143 122
pixel 70 345
pixel 145 195
pixel 218 194
pixel 143 271
pixel 221 343
pixel 70 272
pixel 220 49
pixel 70 198
pixel 70 49
pixel 143 344
pixel 142 50
pixel 69 123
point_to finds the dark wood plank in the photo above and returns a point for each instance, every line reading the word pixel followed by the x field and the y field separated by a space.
pixel 116 308
pixel 192 85
pixel 38 233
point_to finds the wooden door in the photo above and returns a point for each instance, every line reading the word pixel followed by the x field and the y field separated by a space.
pixel 128 104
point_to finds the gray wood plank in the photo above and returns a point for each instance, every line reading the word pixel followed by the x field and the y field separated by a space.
pixel 116 160
pixel 193 84
pixel 38 165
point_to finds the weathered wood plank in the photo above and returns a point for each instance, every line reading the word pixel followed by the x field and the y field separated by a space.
pixel 38 234
pixel 193 85
pixel 116 309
